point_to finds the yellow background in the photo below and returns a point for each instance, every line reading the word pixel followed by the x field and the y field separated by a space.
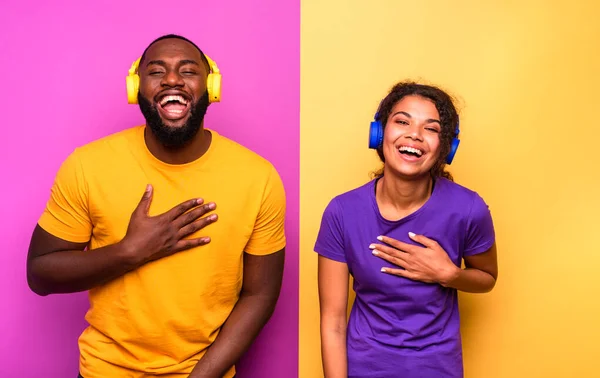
pixel 527 74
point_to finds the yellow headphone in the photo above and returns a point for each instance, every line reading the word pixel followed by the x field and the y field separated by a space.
pixel 213 82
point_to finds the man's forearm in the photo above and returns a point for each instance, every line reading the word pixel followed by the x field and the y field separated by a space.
pixel 245 322
pixel 75 271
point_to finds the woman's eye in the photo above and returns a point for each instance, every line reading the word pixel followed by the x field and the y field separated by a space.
pixel 402 122
pixel 432 129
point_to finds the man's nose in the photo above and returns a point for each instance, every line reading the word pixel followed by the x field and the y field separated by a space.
pixel 172 79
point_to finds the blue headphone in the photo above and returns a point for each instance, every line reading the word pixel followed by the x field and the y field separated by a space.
pixel 376 138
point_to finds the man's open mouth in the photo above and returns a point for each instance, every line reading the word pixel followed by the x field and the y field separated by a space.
pixel 173 107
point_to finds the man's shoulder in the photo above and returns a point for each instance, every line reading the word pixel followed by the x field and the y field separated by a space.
pixel 111 143
pixel 235 154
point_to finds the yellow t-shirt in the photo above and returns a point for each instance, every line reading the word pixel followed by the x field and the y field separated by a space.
pixel 160 318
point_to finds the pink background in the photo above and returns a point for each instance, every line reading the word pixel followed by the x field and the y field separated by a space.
pixel 63 67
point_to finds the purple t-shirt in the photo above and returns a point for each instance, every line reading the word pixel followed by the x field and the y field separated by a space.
pixel 399 328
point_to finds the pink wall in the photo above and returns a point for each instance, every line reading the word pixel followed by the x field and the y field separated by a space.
pixel 63 67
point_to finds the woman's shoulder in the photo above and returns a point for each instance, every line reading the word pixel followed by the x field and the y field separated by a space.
pixel 460 198
pixel 357 194
pixel 455 190
pixel 350 200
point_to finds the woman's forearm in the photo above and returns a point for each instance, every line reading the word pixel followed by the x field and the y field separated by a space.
pixel 333 348
pixel 471 280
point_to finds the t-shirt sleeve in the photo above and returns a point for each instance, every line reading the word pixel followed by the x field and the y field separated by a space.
pixel 330 239
pixel 268 235
pixel 66 214
pixel 480 228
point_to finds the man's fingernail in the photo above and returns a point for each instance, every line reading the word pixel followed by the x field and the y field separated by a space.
pixel 411 234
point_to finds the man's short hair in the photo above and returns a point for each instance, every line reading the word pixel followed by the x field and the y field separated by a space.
pixel 175 36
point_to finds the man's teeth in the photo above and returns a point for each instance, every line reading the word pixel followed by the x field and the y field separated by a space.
pixel 179 99
pixel 410 149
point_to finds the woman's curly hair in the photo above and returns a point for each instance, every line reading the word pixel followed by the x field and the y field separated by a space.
pixel 445 107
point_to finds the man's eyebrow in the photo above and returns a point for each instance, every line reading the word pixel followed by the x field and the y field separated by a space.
pixel 159 62
pixel 188 61
pixel 156 62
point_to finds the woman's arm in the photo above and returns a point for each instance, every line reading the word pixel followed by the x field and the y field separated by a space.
pixel 333 300
pixel 431 264
pixel 479 275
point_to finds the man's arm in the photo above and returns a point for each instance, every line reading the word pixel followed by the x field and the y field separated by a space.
pixel 55 265
pixel 260 291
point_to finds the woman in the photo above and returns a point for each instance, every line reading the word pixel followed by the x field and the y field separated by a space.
pixel 403 237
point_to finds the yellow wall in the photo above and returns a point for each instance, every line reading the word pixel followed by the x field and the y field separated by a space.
pixel 528 77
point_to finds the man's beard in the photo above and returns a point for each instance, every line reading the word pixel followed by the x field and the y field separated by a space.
pixel 174 137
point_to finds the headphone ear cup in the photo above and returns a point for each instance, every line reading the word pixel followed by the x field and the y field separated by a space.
pixel 375 135
pixel 454 145
pixel 213 86
pixel 453 148
pixel 133 86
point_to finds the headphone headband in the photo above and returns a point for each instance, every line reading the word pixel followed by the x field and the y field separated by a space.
pixel 135 66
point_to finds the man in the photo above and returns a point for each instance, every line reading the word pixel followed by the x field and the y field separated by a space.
pixel 176 231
